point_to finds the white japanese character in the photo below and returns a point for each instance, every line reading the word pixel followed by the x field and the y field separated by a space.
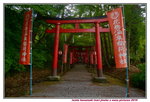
pixel 117 27
pixel 114 15
pixel 121 49
pixel 123 61
pixel 24 48
pixel 25 38
pixel 118 37
pixel 24 54
pixel 116 22
pixel 25 43
pixel 119 32
pixel 23 59
pixel 122 55
pixel 120 43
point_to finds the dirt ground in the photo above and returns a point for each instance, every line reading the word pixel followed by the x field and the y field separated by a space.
pixel 18 85
pixel 75 83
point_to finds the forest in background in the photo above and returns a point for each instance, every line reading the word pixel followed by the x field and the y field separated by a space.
pixel 135 21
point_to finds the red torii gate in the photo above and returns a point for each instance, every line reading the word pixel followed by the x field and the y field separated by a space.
pixel 80 53
pixel 116 23
pixel 97 29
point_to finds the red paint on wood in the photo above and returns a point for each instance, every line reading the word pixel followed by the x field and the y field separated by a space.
pixel 77 21
pixel 77 26
pixel 98 47
pixel 56 46
pixel 71 58
pixel 65 53
pixel 77 30
pixel 91 59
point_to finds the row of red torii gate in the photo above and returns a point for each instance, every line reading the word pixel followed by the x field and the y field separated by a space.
pixel 84 54
pixel 79 54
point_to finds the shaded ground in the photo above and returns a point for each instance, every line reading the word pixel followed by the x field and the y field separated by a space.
pixel 77 84
pixel 120 73
pixel 18 84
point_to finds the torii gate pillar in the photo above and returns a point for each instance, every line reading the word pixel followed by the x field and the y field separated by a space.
pixel 100 76
pixel 54 75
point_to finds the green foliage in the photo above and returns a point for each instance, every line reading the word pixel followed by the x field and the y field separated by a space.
pixel 13 29
pixel 13 32
pixel 138 79
pixel 85 39
pixel 40 58
pixel 135 26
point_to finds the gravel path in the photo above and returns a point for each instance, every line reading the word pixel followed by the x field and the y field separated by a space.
pixel 77 84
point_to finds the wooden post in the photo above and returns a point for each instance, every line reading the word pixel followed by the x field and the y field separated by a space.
pixel 56 46
pixel 98 52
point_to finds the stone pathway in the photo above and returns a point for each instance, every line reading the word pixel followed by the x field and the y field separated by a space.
pixel 77 84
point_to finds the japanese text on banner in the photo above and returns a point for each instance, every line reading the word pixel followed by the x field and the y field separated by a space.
pixel 25 43
pixel 115 19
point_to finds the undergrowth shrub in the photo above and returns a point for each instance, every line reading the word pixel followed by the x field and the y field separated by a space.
pixel 138 79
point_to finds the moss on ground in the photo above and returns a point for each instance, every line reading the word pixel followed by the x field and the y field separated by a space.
pixel 111 81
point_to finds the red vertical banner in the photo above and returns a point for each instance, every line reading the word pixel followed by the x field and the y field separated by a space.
pixel 25 43
pixel 116 23
pixel 65 53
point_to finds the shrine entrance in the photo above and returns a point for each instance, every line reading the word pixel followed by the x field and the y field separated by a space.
pixel 84 55
pixel 80 54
